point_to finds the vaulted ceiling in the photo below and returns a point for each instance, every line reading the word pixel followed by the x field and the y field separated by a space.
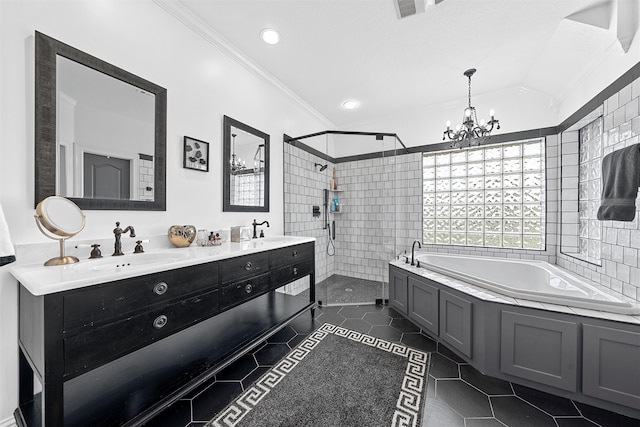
pixel 331 51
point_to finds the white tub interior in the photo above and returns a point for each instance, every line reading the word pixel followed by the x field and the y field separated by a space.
pixel 527 279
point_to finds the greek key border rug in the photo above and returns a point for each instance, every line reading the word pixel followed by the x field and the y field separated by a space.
pixel 409 402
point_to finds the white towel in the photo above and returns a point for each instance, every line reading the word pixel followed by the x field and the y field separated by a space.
pixel 7 253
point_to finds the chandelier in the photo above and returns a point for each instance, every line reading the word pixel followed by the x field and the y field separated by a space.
pixel 470 132
pixel 236 164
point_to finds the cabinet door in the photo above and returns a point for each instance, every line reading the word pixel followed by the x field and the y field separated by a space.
pixel 540 349
pixel 398 291
pixel 611 365
pixel 423 304
pixel 455 322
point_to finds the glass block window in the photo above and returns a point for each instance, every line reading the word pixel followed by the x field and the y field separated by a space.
pixel 590 189
pixel 246 189
pixel 485 196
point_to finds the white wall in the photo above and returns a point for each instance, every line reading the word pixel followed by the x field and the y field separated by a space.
pixel 203 84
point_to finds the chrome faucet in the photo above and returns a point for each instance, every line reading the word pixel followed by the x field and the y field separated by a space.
pixel 117 232
pixel 413 249
pixel 256 224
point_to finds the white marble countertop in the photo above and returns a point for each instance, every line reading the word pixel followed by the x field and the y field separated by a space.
pixel 487 295
pixel 41 280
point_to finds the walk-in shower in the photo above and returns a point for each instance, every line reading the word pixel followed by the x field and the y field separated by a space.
pixel 354 177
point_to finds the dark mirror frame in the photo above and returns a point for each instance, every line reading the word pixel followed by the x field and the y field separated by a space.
pixel 46 50
pixel 228 123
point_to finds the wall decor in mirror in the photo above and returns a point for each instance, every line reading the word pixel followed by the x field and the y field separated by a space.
pixel 245 168
pixel 196 154
pixel 100 131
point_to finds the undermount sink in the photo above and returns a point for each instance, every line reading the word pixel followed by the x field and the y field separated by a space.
pixel 117 263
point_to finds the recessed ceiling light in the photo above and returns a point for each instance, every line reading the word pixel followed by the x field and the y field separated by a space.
pixel 270 36
pixel 350 104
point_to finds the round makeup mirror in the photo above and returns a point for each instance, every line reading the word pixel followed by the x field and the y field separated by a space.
pixel 59 218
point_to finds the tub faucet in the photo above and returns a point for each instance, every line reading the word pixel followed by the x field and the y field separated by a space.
pixel 256 224
pixel 117 232
pixel 413 250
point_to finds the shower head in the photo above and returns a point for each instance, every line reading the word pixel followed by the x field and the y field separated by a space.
pixel 322 167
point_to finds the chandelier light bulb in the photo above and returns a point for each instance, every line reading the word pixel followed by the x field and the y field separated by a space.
pixel 448 124
pixel 458 127
pixel 467 112
pixel 482 122
pixel 492 113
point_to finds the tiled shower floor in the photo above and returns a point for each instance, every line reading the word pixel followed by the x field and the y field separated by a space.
pixel 344 290
pixel 457 395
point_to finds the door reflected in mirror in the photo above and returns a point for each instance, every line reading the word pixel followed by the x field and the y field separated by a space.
pixel 100 131
pixel 105 135
pixel 246 168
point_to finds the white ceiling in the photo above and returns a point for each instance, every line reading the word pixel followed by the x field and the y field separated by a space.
pixel 333 50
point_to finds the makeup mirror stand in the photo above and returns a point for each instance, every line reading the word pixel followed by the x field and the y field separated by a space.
pixel 62 259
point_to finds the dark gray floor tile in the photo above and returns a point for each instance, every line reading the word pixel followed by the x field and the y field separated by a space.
pixel 197 424
pixel 462 398
pixel 450 354
pixel 293 342
pixel 491 386
pixel 270 354
pixel 575 422
pixel 552 405
pixel 437 414
pixel 357 325
pixel 239 369
pixel 386 333
pixel 441 367
pixel 431 387
pixel 512 411
pixel 483 422
pixel 419 341
pixel 333 318
pixel 606 418
pixel 404 325
pixel 352 312
pixel 283 335
pixel 214 399
pixel 253 376
pixel 377 318
pixel 304 324
pixel 391 313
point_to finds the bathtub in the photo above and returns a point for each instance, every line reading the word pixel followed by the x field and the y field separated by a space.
pixel 527 279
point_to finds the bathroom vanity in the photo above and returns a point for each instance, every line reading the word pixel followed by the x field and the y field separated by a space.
pixel 585 355
pixel 115 342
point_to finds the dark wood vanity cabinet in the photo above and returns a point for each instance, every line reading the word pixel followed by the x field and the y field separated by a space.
pixel 116 353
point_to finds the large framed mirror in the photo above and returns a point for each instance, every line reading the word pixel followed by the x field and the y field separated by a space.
pixel 246 168
pixel 100 132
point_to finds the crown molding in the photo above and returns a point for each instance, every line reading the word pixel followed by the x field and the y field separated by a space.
pixel 184 15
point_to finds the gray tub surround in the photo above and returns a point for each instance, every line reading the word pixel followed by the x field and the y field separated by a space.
pixel 115 340
pixel 586 355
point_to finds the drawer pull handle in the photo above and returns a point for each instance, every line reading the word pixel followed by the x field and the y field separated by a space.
pixel 248 266
pixel 160 321
pixel 160 288
pixel 295 254
pixel 295 271
pixel 248 288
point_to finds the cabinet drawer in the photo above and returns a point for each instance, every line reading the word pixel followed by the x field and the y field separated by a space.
pixel 243 267
pixel 245 290
pixel 90 349
pixel 287 274
pixel 116 300
pixel 291 255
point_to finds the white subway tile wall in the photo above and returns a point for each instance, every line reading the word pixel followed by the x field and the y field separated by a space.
pixel 620 240
pixel 145 179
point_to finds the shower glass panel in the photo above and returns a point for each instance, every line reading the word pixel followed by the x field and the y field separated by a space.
pixel 349 180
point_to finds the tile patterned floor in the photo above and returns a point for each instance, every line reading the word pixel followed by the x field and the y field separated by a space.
pixel 457 395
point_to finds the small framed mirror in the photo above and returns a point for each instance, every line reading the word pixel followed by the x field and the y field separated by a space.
pixel 100 132
pixel 246 168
